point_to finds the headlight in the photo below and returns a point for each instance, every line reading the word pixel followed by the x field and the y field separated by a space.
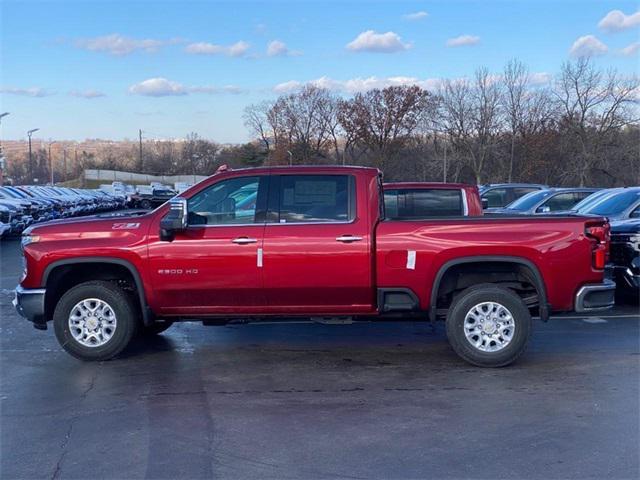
pixel 27 239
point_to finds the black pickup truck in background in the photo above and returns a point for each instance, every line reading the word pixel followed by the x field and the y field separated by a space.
pixel 151 197
pixel 624 257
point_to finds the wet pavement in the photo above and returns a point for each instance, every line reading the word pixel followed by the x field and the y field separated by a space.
pixel 372 400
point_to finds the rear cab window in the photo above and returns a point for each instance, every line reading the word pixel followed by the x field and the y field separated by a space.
pixel 402 204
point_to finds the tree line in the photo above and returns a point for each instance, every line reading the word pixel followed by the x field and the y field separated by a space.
pixel 580 127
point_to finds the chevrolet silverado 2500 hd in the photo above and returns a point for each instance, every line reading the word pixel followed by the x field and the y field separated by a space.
pixel 308 242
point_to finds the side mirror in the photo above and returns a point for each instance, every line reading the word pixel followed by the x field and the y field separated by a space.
pixel 175 220
pixel 485 203
pixel 544 209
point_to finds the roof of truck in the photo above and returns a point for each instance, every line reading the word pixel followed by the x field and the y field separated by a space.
pixel 303 169
pixel 428 185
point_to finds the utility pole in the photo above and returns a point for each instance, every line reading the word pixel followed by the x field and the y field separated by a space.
pixel 2 115
pixel 445 160
pixel 75 164
pixel 51 142
pixel 140 160
pixel 29 133
pixel 64 164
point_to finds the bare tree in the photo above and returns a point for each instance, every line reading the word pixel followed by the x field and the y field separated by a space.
pixel 516 89
pixel 381 120
pixel 594 106
pixel 470 112
pixel 256 119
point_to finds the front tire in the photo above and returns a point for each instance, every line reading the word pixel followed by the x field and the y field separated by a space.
pixel 95 320
pixel 488 326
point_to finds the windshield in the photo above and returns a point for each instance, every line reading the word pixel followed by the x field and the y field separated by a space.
pixel 529 200
pixel 592 199
pixel 614 204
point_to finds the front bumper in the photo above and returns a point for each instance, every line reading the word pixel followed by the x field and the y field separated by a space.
pixel 596 296
pixel 624 277
pixel 29 303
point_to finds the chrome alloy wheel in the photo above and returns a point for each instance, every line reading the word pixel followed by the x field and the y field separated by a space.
pixel 92 322
pixel 489 326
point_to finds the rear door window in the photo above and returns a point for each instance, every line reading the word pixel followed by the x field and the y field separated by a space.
pixel 561 201
pixel 497 197
pixel 423 203
pixel 316 199
pixel 522 191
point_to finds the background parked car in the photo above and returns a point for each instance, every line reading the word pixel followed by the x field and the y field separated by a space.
pixel 502 194
pixel 5 220
pixel 21 206
pixel 624 256
pixel 152 196
pixel 550 200
pixel 618 204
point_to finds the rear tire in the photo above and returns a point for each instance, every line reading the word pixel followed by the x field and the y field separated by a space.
pixel 95 320
pixel 488 325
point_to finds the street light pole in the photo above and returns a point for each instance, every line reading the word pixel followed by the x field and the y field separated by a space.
pixel 29 133
pixel 2 115
pixel 51 142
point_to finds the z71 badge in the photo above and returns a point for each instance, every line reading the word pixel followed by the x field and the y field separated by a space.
pixel 125 226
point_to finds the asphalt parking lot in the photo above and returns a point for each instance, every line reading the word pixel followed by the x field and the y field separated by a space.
pixel 375 400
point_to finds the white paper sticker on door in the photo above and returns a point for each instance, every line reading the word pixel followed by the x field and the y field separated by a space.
pixel 411 259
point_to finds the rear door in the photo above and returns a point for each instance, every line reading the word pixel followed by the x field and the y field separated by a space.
pixel 317 245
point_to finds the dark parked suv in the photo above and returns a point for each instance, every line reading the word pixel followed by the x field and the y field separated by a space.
pixel 502 194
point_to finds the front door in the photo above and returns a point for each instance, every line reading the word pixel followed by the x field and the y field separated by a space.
pixel 317 243
pixel 214 266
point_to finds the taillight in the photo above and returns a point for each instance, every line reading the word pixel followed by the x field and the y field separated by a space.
pixel 599 234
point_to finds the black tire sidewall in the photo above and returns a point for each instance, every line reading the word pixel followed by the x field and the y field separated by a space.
pixel 117 299
pixel 488 293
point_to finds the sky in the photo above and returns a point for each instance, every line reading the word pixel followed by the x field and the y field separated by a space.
pixel 98 69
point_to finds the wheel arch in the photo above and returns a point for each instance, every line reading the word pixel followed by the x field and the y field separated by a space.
pixel 147 316
pixel 536 277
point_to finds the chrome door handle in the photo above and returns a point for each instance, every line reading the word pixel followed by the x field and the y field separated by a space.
pixel 348 238
pixel 244 240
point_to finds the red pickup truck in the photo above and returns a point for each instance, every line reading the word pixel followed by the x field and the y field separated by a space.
pixel 309 242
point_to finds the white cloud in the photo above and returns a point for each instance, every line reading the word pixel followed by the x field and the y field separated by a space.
pixel 238 49
pixel 86 94
pixel 370 41
pixel 416 16
pixel 35 92
pixel 463 40
pixel 276 48
pixel 119 45
pixel 540 78
pixel 286 87
pixel 161 87
pixel 630 50
pixel 157 87
pixel 358 84
pixel 616 21
pixel 588 46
